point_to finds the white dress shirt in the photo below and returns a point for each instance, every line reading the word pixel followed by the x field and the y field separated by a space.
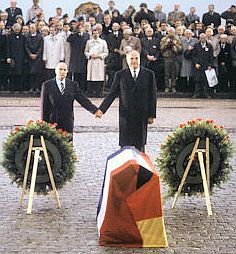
pixel 136 72
pixel 59 83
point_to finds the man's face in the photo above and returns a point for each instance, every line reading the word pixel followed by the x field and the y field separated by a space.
pixel 176 7
pixel 58 11
pixel 60 26
pixel 163 27
pixel 202 38
pixel 92 21
pixel 133 60
pixel 149 32
pixel 111 5
pixel 158 7
pixel 52 30
pixel 192 10
pixel 115 27
pixel 25 29
pixel 36 2
pixel 4 15
pixel 16 29
pixel 66 28
pixel 61 71
pixel 95 34
pixel 107 19
pixel 32 28
pixel 13 3
pixel 210 8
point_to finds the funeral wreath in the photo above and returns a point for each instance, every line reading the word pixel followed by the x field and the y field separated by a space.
pixel 60 151
pixel 177 148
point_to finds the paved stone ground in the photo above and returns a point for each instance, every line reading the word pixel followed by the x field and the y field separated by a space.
pixel 72 229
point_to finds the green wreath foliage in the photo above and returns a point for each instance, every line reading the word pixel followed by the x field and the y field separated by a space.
pixel 184 135
pixel 57 137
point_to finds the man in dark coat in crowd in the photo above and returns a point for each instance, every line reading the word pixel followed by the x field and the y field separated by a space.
pixel 34 51
pixel 113 60
pixel 150 51
pixel 230 14
pixel 224 63
pixel 144 13
pixel 57 98
pixel 13 11
pixel 3 57
pixel 78 61
pixel 202 60
pixel 211 17
pixel 16 57
pixel 136 88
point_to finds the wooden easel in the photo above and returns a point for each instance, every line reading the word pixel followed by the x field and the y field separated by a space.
pixel 34 173
pixel 205 175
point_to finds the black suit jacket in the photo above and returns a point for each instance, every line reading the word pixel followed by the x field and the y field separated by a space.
pixel 12 18
pixel 137 103
pixel 58 108
pixel 207 19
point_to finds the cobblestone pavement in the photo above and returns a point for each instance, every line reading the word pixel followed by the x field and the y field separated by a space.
pixel 72 229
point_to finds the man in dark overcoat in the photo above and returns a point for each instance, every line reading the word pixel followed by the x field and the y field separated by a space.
pixel 136 88
pixel 202 60
pixel 57 98
pixel 16 57
pixel 13 12
pixel 34 52
pixel 3 58
pixel 211 17
pixel 150 51
pixel 78 61
pixel 113 60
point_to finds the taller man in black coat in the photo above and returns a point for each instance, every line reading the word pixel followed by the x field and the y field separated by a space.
pixel 136 88
pixel 57 98
pixel 202 60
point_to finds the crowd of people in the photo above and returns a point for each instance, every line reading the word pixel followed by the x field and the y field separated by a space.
pixel 178 47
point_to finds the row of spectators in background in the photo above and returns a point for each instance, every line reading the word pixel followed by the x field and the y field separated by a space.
pixel 30 51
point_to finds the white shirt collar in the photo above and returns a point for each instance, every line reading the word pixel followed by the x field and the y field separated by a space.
pixel 58 81
pixel 136 71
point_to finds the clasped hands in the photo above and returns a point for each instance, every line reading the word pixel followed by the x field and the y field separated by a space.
pixel 99 114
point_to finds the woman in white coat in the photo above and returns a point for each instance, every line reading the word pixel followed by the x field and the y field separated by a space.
pixel 96 51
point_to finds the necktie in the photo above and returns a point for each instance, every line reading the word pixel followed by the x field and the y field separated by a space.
pixel 62 88
pixel 135 77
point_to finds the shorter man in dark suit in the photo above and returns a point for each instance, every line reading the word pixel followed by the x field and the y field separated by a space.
pixel 57 98
pixel 211 18
pixel 136 88
pixel 12 11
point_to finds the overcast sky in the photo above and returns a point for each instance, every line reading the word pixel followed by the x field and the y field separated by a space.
pixel 68 6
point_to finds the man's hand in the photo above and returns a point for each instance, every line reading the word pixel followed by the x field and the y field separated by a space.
pixel 33 56
pixel 98 114
pixel 150 120
pixel 198 66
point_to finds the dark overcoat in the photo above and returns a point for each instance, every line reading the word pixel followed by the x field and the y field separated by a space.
pixel 3 54
pixel 34 45
pixel 152 48
pixel 204 57
pixel 58 108
pixel 113 60
pixel 137 103
pixel 12 15
pixel 208 19
pixel 78 61
pixel 16 51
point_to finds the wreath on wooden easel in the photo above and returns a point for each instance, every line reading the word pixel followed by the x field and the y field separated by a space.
pixel 176 150
pixel 60 151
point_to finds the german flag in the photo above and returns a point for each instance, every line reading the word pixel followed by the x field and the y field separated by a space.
pixel 130 207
